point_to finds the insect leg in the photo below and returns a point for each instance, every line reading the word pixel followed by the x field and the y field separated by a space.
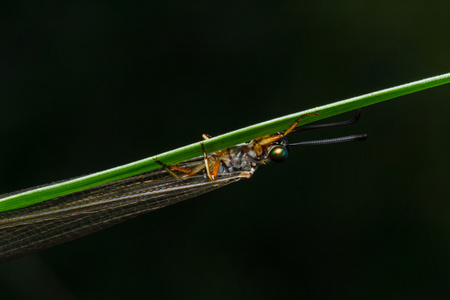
pixel 273 138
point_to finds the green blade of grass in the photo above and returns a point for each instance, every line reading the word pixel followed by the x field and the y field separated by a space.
pixel 217 143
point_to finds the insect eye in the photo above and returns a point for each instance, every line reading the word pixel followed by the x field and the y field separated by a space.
pixel 278 154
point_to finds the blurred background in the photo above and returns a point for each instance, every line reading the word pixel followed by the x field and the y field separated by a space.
pixel 86 86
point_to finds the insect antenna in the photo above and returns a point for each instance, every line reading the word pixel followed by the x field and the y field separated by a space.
pixel 331 125
pixel 351 138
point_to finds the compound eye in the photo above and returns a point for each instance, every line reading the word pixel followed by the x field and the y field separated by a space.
pixel 278 154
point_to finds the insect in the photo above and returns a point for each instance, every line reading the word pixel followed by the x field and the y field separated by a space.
pixel 55 221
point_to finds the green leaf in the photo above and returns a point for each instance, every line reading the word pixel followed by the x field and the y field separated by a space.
pixel 230 139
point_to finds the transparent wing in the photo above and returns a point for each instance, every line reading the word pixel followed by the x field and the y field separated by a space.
pixel 65 218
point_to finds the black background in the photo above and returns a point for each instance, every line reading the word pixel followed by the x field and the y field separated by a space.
pixel 85 86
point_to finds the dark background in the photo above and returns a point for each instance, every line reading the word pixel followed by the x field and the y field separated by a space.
pixel 89 86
